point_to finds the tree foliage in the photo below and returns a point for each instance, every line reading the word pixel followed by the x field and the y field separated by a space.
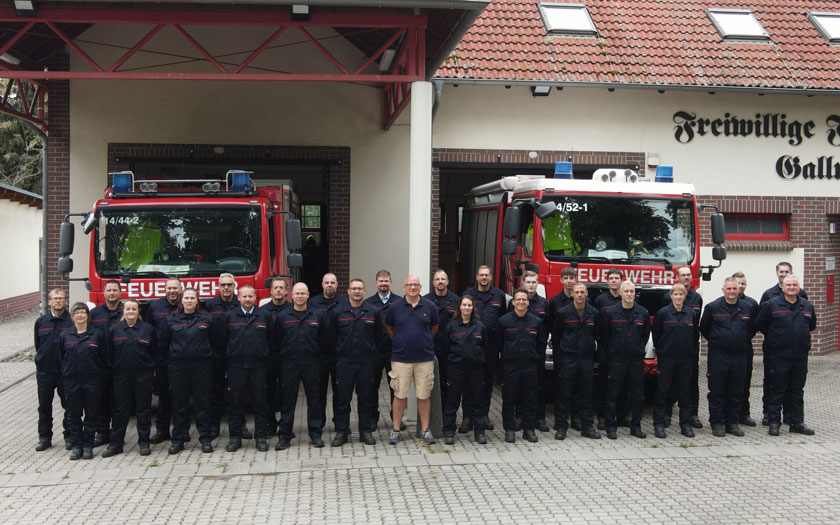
pixel 21 152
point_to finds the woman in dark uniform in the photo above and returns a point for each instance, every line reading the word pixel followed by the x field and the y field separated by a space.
pixel 465 373
pixel 187 337
pixel 675 336
pixel 83 362
pixel 132 348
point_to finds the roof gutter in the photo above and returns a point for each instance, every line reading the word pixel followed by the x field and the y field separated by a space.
pixel 404 4
pixel 658 87
pixel 465 22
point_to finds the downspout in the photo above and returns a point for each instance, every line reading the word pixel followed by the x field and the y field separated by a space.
pixel 43 263
pixel 438 85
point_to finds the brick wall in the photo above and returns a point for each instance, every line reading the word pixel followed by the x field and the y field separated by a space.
pixel 57 192
pixel 338 159
pixel 809 219
pixel 20 303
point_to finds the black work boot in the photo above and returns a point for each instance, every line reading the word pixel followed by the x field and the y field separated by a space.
pixel 734 429
pixel 466 426
pixel 339 439
pixel 43 444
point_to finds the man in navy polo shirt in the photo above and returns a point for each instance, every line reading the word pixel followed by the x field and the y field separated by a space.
pixel 411 323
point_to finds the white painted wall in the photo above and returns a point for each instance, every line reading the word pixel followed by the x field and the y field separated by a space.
pixel 759 267
pixel 593 119
pixel 20 231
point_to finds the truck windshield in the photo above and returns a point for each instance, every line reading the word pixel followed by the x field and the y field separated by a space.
pixel 178 241
pixel 619 229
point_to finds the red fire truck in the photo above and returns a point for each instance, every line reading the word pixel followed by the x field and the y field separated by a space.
pixel 144 231
pixel 615 220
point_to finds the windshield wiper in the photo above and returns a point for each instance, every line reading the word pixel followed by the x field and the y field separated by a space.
pixel 668 264
pixel 580 258
pixel 147 274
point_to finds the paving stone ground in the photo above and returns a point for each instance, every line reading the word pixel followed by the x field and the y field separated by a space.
pixel 754 479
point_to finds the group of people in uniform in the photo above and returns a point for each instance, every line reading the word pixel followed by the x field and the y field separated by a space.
pixel 106 362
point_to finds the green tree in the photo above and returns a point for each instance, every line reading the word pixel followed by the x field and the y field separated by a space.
pixel 20 155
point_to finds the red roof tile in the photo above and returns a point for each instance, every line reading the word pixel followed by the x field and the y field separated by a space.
pixel 650 42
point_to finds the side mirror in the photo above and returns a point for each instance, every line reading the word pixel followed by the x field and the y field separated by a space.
pixel 508 247
pixel 546 209
pixel 293 235
pixel 65 265
pixel 267 283
pixel 531 267
pixel 512 217
pixel 90 222
pixel 294 260
pixel 719 253
pixel 66 238
pixel 718 229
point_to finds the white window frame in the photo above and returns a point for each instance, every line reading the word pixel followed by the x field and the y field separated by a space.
pixel 814 18
pixel 545 7
pixel 712 12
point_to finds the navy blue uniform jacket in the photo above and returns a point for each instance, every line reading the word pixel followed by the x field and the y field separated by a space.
pixel 299 336
pixel 575 335
pixel 132 349
pixel 446 306
pixel 676 334
pixel 625 339
pixel 490 306
pixel 466 341
pixel 188 336
pixel 247 337
pixel 83 355
pixel 383 343
pixel 356 333
pixel 728 329
pixel 521 337
pixel 787 327
pixel 48 329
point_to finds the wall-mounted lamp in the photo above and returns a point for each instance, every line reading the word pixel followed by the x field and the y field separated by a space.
pixel 300 13
pixel 540 91
pixel 25 8
pixel 386 59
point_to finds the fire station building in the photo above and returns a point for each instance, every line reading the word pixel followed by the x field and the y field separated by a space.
pixel 385 113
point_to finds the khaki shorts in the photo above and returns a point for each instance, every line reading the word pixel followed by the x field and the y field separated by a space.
pixel 423 374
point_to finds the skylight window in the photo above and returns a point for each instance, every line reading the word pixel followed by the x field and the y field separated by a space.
pixel 828 24
pixel 567 19
pixel 737 24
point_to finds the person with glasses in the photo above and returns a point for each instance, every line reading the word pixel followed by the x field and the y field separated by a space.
pixel 48 329
pixel 411 324
pixel 83 363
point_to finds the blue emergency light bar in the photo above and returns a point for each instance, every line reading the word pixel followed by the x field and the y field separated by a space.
pixel 664 174
pixel 240 180
pixel 123 182
pixel 563 170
